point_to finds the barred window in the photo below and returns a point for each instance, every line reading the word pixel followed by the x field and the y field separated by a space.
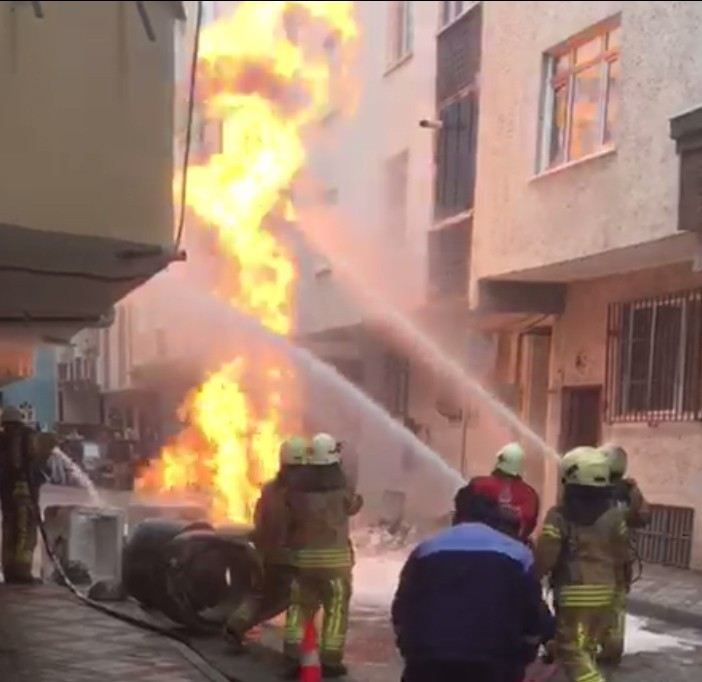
pixel 654 359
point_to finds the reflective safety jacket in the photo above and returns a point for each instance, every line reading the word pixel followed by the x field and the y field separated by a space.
pixel 319 507
pixel 585 562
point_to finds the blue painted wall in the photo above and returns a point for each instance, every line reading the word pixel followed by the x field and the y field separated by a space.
pixel 39 390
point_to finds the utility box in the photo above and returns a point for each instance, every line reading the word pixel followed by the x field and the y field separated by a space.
pixel 89 535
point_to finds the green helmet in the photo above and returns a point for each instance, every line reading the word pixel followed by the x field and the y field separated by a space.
pixel 510 460
pixel 566 462
pixel 586 466
pixel 294 451
pixel 325 450
pixel 12 415
pixel 617 457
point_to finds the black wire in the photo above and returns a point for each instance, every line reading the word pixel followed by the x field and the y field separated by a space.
pixel 189 125
pixel 97 606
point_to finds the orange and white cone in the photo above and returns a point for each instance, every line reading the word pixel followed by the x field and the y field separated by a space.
pixel 310 670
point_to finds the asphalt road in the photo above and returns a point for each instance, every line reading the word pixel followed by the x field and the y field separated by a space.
pixel 656 651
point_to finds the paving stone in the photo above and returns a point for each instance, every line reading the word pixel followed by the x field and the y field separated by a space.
pixel 46 634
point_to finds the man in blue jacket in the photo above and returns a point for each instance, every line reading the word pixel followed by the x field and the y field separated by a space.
pixel 469 607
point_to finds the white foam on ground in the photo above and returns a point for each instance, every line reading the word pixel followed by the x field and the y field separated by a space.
pixel 375 580
pixel 639 639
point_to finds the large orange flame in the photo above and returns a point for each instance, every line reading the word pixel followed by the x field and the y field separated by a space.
pixel 266 84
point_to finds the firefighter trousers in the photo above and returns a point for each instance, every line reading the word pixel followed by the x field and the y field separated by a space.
pixel 612 643
pixel 579 630
pixel 271 600
pixel 19 532
pixel 312 589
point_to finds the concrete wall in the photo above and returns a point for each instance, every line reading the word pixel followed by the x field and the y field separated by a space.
pixel 40 390
pixel 87 119
pixel 349 154
pixel 623 198
pixel 664 459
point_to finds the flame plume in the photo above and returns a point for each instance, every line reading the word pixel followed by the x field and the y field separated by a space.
pixel 267 86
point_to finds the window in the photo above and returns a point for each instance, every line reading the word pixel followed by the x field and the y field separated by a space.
pixel 448 251
pixel 654 359
pixel 400 31
pixel 581 106
pixel 28 413
pixel 397 377
pixel 452 10
pixel 456 151
pixel 395 195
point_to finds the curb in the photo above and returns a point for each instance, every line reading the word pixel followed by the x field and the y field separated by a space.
pixel 198 661
pixel 638 606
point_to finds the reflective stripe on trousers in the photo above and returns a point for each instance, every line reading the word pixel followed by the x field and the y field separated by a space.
pixel 579 631
pixel 311 590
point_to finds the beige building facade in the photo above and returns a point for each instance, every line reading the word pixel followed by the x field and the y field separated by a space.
pixel 577 218
pixel 86 210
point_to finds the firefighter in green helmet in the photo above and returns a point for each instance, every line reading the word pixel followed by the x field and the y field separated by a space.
pixel 582 548
pixel 627 496
pixel 20 480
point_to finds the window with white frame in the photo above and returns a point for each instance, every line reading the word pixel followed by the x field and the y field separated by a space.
pixel 400 31
pixel 582 90
pixel 452 9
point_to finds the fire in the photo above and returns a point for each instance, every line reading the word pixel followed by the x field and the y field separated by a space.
pixel 267 86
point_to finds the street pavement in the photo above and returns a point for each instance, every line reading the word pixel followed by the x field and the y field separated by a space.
pixel 657 651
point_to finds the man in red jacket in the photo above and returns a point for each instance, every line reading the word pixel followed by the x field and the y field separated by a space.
pixel 518 499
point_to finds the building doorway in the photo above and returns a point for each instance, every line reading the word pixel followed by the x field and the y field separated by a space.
pixel 581 417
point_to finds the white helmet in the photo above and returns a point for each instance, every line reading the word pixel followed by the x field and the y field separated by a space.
pixel 294 451
pixel 325 450
pixel 510 460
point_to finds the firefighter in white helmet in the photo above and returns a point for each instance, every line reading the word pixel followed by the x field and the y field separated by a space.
pixel 626 495
pixel 319 506
pixel 583 547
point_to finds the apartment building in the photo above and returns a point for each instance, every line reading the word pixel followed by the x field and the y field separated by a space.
pixel 587 216
pixel 401 171
pixel 554 199
pixel 86 209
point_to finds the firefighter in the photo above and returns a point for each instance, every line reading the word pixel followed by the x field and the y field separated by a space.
pixel 320 503
pixel 19 495
pixel 627 496
pixel 505 484
pixel 270 540
pixel 583 547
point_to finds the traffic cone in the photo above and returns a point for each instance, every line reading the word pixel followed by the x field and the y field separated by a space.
pixel 310 670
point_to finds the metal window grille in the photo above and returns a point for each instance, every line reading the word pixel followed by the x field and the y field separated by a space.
pixel 448 250
pixel 456 152
pixel 458 55
pixel 397 381
pixel 668 538
pixel 654 359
